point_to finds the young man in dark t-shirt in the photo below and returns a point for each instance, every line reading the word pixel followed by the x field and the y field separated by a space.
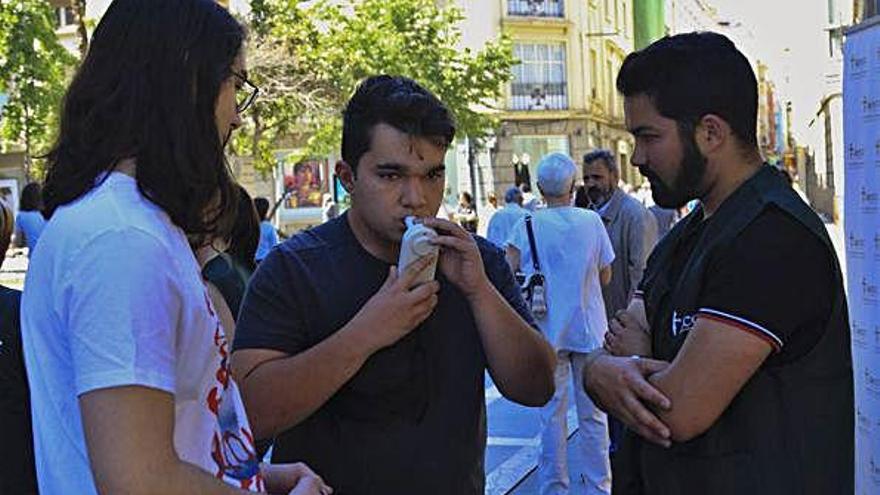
pixel 732 368
pixel 375 381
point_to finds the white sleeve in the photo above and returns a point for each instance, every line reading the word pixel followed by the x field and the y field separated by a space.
pixel 121 306
pixel 606 250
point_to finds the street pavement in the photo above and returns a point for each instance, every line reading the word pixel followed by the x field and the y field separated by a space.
pixel 513 445
pixel 13 270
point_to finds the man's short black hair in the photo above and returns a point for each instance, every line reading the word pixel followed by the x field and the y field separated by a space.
pixel 399 102
pixel 689 76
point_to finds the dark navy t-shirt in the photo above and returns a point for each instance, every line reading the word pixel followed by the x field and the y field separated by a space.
pixel 413 419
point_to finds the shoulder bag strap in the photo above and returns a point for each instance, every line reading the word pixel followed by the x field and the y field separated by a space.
pixel 532 246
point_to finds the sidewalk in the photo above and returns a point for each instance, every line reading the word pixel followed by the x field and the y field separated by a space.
pixel 14 268
pixel 514 442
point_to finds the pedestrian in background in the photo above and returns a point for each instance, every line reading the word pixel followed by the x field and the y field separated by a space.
pixel 330 209
pixel 17 474
pixel 29 222
pixel 574 255
pixel 486 213
pixel 502 222
pixel 530 201
pixel 125 355
pixel 268 234
pixel 633 233
pixel 466 214
pixel 630 226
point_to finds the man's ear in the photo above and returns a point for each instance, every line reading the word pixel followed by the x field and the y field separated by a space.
pixel 711 133
pixel 346 176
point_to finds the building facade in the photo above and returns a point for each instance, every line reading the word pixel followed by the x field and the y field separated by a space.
pixel 562 96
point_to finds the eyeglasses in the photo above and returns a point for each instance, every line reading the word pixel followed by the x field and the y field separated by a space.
pixel 246 94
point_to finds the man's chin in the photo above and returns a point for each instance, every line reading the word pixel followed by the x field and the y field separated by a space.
pixel 598 198
pixel 668 201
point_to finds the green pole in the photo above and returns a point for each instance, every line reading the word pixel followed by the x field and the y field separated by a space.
pixel 649 22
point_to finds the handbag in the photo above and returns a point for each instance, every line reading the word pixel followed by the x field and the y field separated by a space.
pixel 532 286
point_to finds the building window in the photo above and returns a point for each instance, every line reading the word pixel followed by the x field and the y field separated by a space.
pixel 64 17
pixel 609 86
pixel 594 74
pixel 537 8
pixel 539 81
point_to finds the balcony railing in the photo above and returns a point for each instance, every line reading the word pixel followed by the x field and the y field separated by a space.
pixel 538 96
pixel 536 8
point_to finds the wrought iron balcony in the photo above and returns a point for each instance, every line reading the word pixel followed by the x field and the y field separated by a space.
pixel 536 8
pixel 538 96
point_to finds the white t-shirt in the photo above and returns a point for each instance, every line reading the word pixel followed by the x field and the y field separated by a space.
pixel 114 297
pixel 572 246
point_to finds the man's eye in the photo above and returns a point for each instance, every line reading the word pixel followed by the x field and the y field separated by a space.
pixel 389 176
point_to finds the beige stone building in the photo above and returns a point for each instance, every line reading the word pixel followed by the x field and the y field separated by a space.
pixel 562 96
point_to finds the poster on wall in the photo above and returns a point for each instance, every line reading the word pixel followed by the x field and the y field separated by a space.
pixel 303 180
pixel 861 113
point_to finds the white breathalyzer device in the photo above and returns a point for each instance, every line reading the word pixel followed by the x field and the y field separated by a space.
pixel 416 243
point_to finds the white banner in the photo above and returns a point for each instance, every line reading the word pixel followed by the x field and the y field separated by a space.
pixel 861 113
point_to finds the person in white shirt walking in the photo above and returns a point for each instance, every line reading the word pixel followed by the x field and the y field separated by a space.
pixel 575 255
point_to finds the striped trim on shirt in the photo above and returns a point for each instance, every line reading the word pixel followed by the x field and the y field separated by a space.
pixel 742 324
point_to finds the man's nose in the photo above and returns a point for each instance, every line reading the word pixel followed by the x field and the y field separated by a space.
pixel 413 194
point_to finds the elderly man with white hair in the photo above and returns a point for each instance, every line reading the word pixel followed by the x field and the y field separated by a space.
pixel 504 219
pixel 575 255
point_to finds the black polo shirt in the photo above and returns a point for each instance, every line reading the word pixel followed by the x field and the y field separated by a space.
pixel 413 418
pixel 762 263
pixel 775 281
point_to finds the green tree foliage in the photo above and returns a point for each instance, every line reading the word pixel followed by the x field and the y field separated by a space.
pixel 34 69
pixel 308 57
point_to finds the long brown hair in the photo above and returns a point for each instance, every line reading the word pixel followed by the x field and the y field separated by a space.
pixel 147 90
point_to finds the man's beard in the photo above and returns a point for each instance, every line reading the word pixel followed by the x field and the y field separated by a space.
pixel 686 185
pixel 598 195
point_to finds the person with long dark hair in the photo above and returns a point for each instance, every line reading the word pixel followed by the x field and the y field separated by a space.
pixel 127 359
pixel 29 222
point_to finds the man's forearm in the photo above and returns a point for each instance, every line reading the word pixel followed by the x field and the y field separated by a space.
pixel 520 360
pixel 282 392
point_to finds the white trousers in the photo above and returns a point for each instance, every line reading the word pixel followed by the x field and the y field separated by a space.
pixel 592 443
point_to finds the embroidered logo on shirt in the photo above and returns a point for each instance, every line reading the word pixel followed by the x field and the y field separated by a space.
pixel 682 323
